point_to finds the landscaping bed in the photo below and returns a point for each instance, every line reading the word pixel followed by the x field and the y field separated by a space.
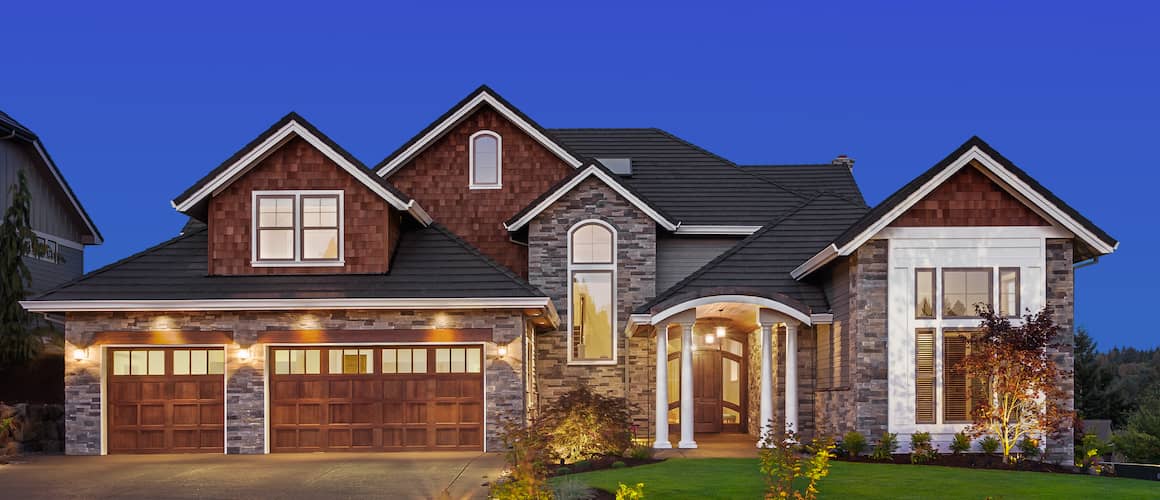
pixel 601 463
pixel 969 460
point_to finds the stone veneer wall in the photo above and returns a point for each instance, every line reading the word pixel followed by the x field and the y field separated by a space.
pixel 245 389
pixel 868 330
pixel 807 343
pixel 1061 304
pixel 635 283
pixel 753 374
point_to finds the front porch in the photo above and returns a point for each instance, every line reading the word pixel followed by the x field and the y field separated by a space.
pixel 726 370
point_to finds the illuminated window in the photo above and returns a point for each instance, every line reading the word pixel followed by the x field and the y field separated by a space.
pixel 924 293
pixel 592 312
pixel 351 361
pixel 404 360
pixel 458 360
pixel 1009 292
pixel 199 362
pixel 297 228
pixel 298 361
pixel 963 289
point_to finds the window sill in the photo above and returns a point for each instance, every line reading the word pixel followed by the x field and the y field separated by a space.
pixel 487 186
pixel 255 263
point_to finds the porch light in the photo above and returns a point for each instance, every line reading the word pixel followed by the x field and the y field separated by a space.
pixel 244 354
pixel 720 332
pixel 503 350
pixel 81 354
pixel 709 339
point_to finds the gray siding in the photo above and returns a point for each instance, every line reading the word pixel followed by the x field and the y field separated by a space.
pixel 49 275
pixel 52 212
pixel 679 257
pixel 836 352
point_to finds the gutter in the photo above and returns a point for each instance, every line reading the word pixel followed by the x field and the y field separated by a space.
pixel 1085 263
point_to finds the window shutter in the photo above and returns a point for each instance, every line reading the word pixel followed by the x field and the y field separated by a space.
pixel 956 406
pixel 924 377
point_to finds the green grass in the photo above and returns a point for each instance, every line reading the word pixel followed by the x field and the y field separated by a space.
pixel 739 478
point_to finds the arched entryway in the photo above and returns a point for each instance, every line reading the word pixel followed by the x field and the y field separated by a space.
pixel 720 375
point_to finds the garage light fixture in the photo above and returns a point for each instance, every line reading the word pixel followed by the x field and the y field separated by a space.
pixel 81 354
pixel 503 350
pixel 244 354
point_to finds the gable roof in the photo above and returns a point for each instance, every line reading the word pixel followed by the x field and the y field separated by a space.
pixel 483 95
pixel 600 172
pixel 431 268
pixel 694 186
pixel 193 200
pixel 10 128
pixel 761 263
pixel 974 150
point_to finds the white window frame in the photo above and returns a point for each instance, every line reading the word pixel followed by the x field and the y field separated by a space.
pixel 498 160
pixel 610 268
pixel 297 261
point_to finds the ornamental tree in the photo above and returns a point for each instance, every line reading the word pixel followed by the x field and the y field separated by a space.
pixel 18 343
pixel 1015 381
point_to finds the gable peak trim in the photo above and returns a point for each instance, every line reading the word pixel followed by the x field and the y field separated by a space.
pixel 592 170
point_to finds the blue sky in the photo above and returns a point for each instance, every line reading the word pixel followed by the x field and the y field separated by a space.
pixel 137 101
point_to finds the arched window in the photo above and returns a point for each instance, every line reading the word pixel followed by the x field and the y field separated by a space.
pixel 592 293
pixel 485 160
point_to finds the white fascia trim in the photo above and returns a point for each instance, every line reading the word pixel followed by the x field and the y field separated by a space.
pixel 818 260
pixel 97 240
pixel 287 304
pixel 660 317
pixel 461 113
pixel 994 168
pixel 716 230
pixel 269 145
pixel 64 242
pixel 592 170
pixel 822 318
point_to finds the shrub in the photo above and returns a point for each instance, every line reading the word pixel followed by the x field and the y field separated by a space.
pixel 528 457
pixel 855 443
pixel 582 424
pixel 618 465
pixel 572 488
pixel 1029 447
pixel 780 465
pixel 563 471
pixel 886 447
pixel 520 490
pixel 920 440
pixel 582 466
pixel 921 450
pixel 989 445
pixel 1089 452
pixel 640 452
pixel 1140 438
pixel 626 492
pixel 961 443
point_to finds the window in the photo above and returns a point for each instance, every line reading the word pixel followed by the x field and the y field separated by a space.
pixel 199 362
pixel 485 160
pixel 924 293
pixel 45 249
pixel 962 289
pixel 351 361
pixel 297 361
pixel 458 360
pixel 1009 292
pixel 404 361
pixel 139 362
pixel 297 228
pixel 831 356
pixel 592 251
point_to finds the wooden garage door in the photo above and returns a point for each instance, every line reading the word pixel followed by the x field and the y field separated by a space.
pixel 376 398
pixel 166 400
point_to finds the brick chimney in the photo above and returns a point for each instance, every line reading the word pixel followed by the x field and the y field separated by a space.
pixel 845 161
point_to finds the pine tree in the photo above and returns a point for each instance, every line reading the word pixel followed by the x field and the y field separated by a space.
pixel 18 343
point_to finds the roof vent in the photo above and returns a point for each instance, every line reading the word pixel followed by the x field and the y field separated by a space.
pixel 844 161
pixel 618 166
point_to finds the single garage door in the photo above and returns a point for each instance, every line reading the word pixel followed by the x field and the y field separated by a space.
pixel 376 398
pixel 166 400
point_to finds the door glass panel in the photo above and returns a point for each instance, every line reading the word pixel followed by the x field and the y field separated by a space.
pixel 217 362
pixel 181 362
pixel 157 362
pixel 389 364
pixel 198 364
pixel 458 361
pixel 138 361
pixel 443 360
pixel 281 362
pixel 730 416
pixel 674 415
pixel 419 361
pixel 673 345
pixel 473 360
pixel 313 361
pixel 120 362
pixel 733 346
pixel 731 381
pixel 674 380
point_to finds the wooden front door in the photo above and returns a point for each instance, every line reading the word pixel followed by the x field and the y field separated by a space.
pixel 707 391
pixel 166 400
pixel 376 398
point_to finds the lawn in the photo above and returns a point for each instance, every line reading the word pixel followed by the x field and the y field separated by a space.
pixel 738 478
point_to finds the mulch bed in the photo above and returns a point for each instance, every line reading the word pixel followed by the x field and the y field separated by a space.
pixel 602 463
pixel 971 461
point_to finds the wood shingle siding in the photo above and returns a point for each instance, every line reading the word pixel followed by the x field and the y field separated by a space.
pixel 969 198
pixel 438 180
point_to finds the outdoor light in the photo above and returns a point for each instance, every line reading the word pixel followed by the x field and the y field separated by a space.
pixel 80 354
pixel 709 339
pixel 503 350
pixel 720 332
pixel 244 354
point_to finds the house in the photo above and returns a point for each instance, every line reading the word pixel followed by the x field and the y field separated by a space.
pixel 488 264
pixel 63 229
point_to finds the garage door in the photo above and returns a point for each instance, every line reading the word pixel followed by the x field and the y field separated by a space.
pixel 166 400
pixel 376 398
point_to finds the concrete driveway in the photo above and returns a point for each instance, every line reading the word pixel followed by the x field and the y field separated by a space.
pixel 440 475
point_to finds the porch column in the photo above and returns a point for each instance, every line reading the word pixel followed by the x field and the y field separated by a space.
pixel 662 401
pixel 766 380
pixel 791 379
pixel 687 417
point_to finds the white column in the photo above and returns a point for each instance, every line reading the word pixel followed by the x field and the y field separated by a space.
pixel 791 379
pixel 687 418
pixel 766 380
pixel 662 401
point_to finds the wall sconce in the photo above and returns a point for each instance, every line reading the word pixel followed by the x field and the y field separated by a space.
pixel 720 332
pixel 709 339
pixel 81 353
pixel 244 354
pixel 502 351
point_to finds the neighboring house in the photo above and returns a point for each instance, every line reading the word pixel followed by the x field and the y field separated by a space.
pixel 489 264
pixel 61 224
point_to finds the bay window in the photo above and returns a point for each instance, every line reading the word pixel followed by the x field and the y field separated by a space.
pixel 592 293
pixel 297 228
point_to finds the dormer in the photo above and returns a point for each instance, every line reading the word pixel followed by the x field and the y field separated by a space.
pixel 294 202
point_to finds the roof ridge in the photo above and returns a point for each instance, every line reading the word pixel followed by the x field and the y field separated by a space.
pixel 732 164
pixel 476 252
pixel 670 291
pixel 786 165
pixel 126 260
pixel 602 128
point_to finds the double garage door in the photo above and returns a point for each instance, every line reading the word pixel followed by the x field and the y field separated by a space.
pixel 376 398
pixel 334 398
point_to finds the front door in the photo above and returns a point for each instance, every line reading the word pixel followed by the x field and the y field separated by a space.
pixel 707 391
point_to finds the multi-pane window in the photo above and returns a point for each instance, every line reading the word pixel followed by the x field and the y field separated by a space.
pixel 592 335
pixel 139 362
pixel 963 289
pixel 350 361
pixel 292 228
pixel 458 360
pixel 405 360
pixel 199 362
pixel 1009 292
pixel 485 160
pixel 298 361
pixel 44 249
